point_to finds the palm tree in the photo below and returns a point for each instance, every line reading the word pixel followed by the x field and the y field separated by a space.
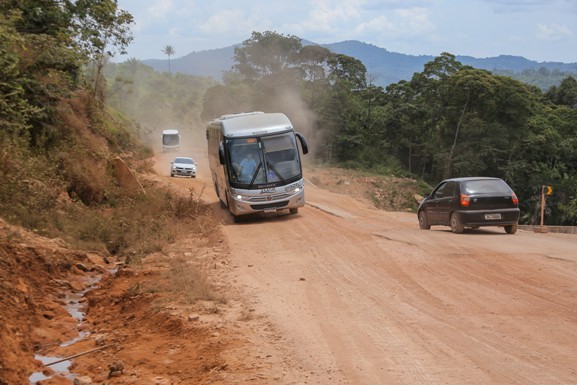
pixel 169 51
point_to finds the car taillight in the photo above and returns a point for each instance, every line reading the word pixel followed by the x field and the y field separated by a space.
pixel 465 199
pixel 515 199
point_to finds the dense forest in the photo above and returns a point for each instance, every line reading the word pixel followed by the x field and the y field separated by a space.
pixel 448 120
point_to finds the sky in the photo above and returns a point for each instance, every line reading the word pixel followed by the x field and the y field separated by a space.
pixel 540 30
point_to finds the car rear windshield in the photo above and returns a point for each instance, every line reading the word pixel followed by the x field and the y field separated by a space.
pixel 486 186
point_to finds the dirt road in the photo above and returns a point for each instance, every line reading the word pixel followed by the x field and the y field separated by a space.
pixel 362 296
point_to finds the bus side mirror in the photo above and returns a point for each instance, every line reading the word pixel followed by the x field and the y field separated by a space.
pixel 221 153
pixel 304 144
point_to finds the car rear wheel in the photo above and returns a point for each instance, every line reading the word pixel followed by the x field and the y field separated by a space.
pixel 423 222
pixel 456 225
pixel 511 229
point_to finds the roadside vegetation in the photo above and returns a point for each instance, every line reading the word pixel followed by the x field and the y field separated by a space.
pixel 59 137
pixel 449 120
pixel 66 113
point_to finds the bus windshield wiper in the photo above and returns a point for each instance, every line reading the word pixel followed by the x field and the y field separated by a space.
pixel 255 174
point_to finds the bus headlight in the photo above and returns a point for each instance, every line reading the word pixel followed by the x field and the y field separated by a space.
pixel 295 187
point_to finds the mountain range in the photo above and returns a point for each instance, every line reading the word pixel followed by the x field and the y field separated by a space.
pixel 383 66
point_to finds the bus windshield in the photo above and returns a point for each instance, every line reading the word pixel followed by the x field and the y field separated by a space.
pixel 264 160
pixel 170 139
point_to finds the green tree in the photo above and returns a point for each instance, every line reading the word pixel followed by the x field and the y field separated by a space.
pixel 266 54
pixel 548 156
pixel 169 51
pixel 428 93
pixel 52 18
pixel 341 112
pixel 102 30
pixel 455 120
pixel 40 63
pixel 403 127
pixel 566 93
pixel 314 61
pixel 347 70
pixel 15 109
pixel 493 120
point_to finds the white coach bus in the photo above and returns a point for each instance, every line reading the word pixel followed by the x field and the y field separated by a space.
pixel 170 140
pixel 255 163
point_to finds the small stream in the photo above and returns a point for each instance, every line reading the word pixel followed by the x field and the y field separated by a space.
pixel 74 306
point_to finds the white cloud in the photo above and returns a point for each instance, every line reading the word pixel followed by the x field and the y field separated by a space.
pixel 414 21
pixel 222 22
pixel 516 5
pixel 473 27
pixel 173 32
pixel 150 15
pixel 160 9
pixel 331 21
pixel 326 18
pixel 400 24
pixel 552 32
pixel 233 25
pixel 380 24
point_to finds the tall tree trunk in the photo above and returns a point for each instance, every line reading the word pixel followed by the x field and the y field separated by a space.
pixel 449 164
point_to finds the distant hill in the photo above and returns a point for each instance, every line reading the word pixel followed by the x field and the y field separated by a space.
pixel 209 63
pixel 383 66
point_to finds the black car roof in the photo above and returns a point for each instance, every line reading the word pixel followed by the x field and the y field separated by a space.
pixel 468 178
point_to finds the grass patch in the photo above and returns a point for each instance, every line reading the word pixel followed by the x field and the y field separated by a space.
pixel 71 192
pixel 189 282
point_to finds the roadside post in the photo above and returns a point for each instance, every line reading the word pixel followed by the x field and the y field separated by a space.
pixel 545 190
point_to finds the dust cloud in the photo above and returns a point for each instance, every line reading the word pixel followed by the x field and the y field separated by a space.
pixel 221 99
pixel 303 119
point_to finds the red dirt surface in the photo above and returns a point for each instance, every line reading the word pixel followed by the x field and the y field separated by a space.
pixel 341 293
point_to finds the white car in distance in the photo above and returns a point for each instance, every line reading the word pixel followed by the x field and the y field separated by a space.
pixel 183 166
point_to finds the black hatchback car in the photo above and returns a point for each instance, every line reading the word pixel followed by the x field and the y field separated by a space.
pixel 470 202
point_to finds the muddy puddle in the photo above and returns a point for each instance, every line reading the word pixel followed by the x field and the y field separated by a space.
pixel 61 365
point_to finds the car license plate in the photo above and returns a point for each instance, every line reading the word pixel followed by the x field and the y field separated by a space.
pixel 270 210
pixel 492 217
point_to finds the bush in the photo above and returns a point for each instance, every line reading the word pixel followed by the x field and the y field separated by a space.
pixel 71 193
